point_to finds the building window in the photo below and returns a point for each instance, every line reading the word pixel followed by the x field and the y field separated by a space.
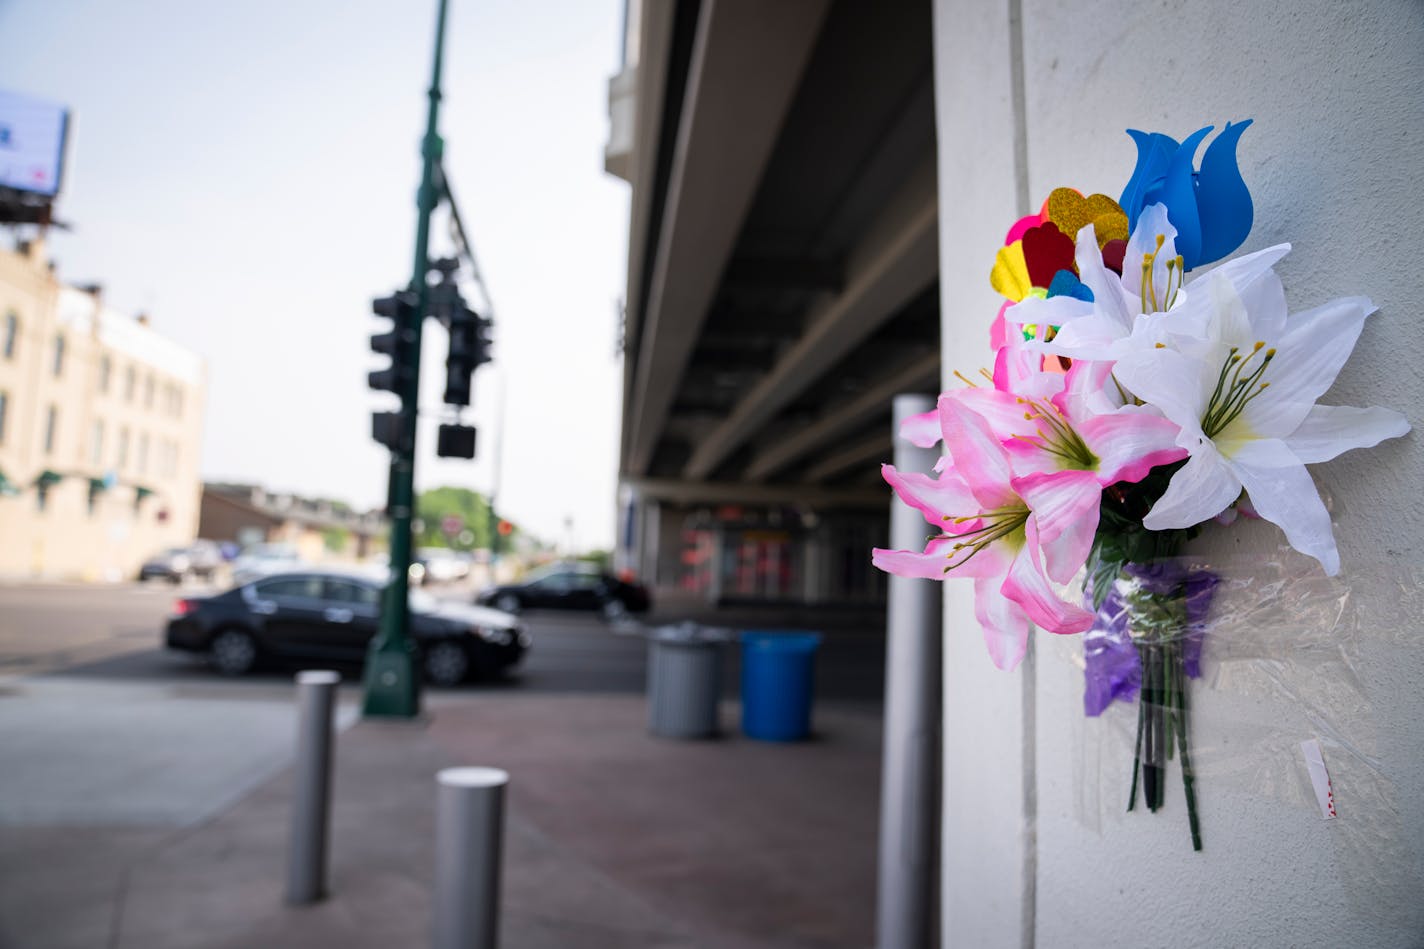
pixel 148 392
pixel 58 353
pixel 12 333
pixel 106 366
pixel 130 381
pixel 51 427
pixel 177 402
pixel 96 445
pixel 123 455
pixel 143 454
pixel 4 407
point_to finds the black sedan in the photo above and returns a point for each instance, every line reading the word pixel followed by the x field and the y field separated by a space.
pixel 331 616
pixel 564 587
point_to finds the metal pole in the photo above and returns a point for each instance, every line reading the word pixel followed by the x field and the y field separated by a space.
pixel 392 685
pixel 469 832
pixel 909 776
pixel 311 799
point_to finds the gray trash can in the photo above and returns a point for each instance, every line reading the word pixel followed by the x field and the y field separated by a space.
pixel 685 680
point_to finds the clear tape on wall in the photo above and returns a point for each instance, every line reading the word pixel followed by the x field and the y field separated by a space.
pixel 1285 655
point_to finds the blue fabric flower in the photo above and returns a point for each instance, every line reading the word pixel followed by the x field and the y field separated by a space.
pixel 1211 208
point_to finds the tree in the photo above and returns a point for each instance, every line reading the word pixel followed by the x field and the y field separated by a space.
pixel 472 509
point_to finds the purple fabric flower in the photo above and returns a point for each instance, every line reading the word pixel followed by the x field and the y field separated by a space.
pixel 1112 669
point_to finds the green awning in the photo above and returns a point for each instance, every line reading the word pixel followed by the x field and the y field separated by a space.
pixel 8 487
pixel 48 479
pixel 140 492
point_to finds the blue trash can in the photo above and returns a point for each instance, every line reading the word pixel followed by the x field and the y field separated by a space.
pixel 778 678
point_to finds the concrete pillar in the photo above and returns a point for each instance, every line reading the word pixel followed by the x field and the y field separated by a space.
pixel 909 776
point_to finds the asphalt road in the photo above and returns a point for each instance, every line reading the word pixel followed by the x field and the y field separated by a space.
pixel 51 627
pixel 115 633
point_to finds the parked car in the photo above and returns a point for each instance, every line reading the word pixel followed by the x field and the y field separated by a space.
pixel 381 563
pixel 262 559
pixel 569 587
pixel 172 565
pixel 205 558
pixel 331 615
pixel 441 565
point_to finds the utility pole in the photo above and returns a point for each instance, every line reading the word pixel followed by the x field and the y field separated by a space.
pixel 392 679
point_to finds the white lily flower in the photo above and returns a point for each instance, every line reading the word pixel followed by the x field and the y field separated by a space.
pixel 1244 395
pixel 1147 304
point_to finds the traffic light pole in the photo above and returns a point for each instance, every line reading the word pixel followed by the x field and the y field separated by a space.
pixel 392 676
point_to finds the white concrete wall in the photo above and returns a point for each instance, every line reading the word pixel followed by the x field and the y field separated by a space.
pixel 1037 850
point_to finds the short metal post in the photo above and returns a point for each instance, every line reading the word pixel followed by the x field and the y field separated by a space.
pixel 311 803
pixel 909 777
pixel 469 835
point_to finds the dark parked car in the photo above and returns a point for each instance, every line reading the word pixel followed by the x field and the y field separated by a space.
pixel 172 565
pixel 566 587
pixel 201 559
pixel 331 616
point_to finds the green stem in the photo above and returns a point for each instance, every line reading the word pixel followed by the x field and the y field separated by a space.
pixel 1170 651
pixel 1137 747
pixel 1152 770
pixel 1188 777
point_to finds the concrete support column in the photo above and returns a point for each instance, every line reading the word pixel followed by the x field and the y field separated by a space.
pixel 909 777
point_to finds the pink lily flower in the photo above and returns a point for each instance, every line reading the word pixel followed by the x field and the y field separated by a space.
pixel 1086 426
pixel 1049 422
pixel 1014 535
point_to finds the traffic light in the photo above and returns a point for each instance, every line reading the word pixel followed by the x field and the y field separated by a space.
pixel 469 333
pixel 388 429
pixel 455 441
pixel 399 308
pixel 469 349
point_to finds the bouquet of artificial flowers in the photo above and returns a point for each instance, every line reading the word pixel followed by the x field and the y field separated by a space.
pixel 1128 406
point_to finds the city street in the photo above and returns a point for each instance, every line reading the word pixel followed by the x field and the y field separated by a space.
pixel 143 800
pixel 115 633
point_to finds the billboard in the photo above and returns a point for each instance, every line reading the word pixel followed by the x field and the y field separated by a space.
pixel 32 134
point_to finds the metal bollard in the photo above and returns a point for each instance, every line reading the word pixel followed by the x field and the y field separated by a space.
pixel 469 834
pixel 311 798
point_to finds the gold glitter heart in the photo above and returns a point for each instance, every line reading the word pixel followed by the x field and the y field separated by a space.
pixel 1110 227
pixel 1071 212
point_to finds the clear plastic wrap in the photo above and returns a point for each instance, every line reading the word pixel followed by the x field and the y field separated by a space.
pixel 1285 655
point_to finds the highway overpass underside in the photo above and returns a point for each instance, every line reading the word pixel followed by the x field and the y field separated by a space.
pixel 782 289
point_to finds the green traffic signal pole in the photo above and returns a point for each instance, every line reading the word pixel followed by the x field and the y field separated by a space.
pixel 392 676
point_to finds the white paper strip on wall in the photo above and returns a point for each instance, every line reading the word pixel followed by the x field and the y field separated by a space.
pixel 1319 778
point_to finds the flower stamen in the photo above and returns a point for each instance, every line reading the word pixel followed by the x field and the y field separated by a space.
pixel 998 525
pixel 1149 290
pixel 1235 390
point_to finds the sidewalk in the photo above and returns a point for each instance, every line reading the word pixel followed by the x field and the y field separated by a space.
pixel 613 838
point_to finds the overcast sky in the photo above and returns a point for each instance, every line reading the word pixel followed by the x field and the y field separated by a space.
pixel 246 173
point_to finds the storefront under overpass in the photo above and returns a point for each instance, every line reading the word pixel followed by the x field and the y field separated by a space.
pixel 782 289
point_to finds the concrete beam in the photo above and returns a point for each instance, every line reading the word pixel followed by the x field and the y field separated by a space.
pixel 770 273
pixel 895 261
pixel 746 65
pixel 655 28
pixel 729 492
pixel 650 94
pixel 877 447
pixel 921 372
